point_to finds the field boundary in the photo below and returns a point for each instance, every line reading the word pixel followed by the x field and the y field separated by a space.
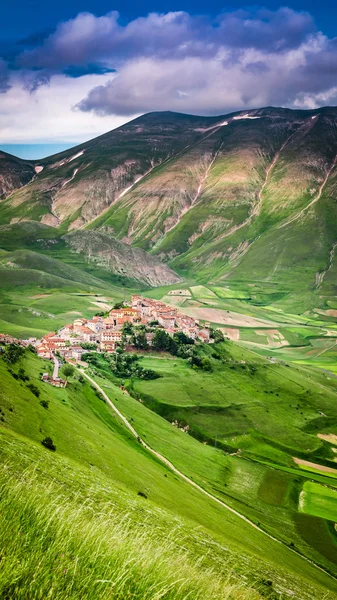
pixel 168 464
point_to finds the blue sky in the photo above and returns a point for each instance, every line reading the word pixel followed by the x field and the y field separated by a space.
pixel 70 70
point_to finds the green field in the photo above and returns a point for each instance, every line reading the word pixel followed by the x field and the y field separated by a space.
pixel 318 501
pixel 97 459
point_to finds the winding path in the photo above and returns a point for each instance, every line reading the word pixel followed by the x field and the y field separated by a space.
pixel 166 462
pixel 316 198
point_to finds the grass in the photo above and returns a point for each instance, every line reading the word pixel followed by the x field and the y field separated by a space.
pixel 91 484
pixel 318 501
pixel 53 547
pixel 244 394
pixel 267 495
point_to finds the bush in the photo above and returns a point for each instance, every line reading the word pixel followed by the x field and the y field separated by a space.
pixel 35 390
pixel 44 403
pixel 217 336
pixel 22 375
pixel 13 353
pixel 88 346
pixel 48 443
pixel 68 370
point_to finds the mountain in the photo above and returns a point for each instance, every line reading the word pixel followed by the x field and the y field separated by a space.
pixel 14 173
pixel 250 195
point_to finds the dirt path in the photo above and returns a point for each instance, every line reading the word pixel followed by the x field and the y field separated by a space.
pixel 316 199
pixel 257 208
pixel 166 462
pixel 320 276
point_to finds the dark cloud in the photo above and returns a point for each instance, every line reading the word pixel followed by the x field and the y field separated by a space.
pixel 4 77
pixel 183 62
pixel 87 39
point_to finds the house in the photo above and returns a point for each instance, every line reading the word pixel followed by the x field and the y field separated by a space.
pixel 110 335
pixel 74 352
pixel 115 313
pixel 86 334
pixel 108 346
pixel 44 351
pixel 95 324
pixel 204 335
pixel 166 321
pixel 57 381
pixel 67 331
pixel 78 323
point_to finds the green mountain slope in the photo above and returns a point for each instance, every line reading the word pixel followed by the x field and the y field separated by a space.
pixel 55 513
pixel 243 196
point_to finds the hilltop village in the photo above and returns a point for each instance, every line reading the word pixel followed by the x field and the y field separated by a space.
pixel 105 334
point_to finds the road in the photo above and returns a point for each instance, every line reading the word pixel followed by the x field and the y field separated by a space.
pixel 166 462
pixel 56 367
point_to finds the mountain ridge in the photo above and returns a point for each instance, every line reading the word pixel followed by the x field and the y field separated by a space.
pixel 214 197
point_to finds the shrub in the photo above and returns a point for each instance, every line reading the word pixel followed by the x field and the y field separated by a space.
pixel 217 336
pixel 35 390
pixel 44 403
pixel 22 375
pixel 68 370
pixel 142 495
pixel 47 442
pixel 13 353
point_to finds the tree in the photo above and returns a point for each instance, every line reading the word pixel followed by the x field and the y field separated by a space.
pixel 127 328
pixel 34 389
pixel 140 341
pixel 88 346
pixel 13 353
pixel 161 340
pixel 181 338
pixel 217 336
pixel 206 364
pixel 48 443
pixel 68 370
pixel 118 305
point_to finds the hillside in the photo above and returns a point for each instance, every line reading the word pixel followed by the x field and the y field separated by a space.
pixel 42 247
pixel 246 196
pixel 14 173
pixel 102 505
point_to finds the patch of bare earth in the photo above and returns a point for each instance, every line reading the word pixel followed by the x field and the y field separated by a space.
pixel 328 437
pixel 224 317
pixel 102 305
pixel 307 463
pixel 39 296
pixel 231 333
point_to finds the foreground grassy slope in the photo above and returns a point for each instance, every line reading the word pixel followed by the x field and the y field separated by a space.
pixel 264 415
pixel 97 459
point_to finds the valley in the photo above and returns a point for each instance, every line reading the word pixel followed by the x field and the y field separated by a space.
pixel 180 272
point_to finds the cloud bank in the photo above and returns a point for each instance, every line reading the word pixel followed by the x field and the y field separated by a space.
pixel 181 62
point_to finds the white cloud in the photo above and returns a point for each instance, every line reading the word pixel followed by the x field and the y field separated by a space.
pixel 47 115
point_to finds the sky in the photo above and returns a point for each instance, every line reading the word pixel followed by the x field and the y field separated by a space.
pixel 71 70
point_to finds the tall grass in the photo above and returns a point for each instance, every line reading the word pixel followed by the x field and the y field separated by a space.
pixel 53 547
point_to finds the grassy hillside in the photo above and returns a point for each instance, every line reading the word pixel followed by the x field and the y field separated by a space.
pixel 82 545
pixel 262 415
pixel 242 197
